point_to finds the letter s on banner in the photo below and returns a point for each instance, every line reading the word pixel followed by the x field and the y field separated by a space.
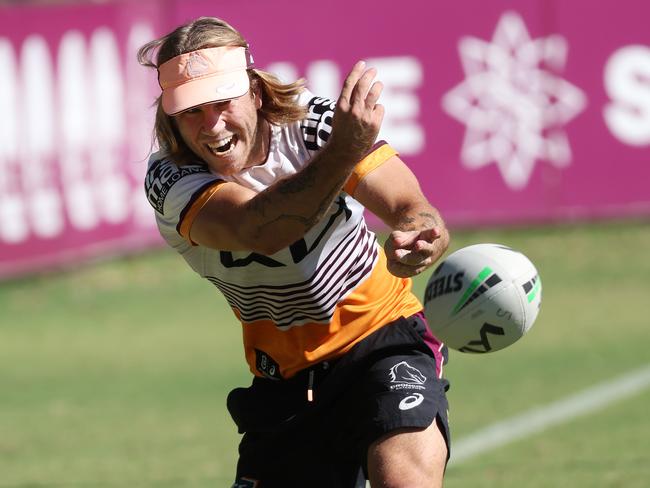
pixel 627 82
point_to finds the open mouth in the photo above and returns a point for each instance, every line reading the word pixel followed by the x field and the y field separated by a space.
pixel 224 146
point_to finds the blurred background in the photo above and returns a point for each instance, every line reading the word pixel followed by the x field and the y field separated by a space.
pixel 527 123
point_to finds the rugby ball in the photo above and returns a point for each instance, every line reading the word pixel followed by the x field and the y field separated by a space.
pixel 482 298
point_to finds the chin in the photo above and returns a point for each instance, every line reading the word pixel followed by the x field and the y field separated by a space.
pixel 226 169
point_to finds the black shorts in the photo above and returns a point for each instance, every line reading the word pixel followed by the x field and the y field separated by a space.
pixel 390 380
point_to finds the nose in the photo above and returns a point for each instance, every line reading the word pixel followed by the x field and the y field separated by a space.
pixel 212 118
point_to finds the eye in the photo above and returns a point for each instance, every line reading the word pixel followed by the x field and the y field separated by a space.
pixel 190 111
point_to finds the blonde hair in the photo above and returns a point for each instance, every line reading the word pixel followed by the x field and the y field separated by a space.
pixel 279 100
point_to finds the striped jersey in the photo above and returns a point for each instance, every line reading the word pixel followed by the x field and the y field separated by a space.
pixel 311 301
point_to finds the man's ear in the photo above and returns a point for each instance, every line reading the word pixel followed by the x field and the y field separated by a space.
pixel 257 96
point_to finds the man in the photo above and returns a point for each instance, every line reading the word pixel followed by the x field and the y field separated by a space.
pixel 261 186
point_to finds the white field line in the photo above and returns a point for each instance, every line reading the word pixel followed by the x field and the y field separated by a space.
pixel 540 418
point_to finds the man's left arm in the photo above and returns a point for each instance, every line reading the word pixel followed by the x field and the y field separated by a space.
pixel 419 236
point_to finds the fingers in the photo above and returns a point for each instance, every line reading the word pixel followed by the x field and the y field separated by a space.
pixel 411 252
pixel 430 235
pixel 413 258
pixel 365 90
pixel 410 263
pixel 407 239
pixel 373 94
pixel 357 118
pixel 350 83
pixel 358 88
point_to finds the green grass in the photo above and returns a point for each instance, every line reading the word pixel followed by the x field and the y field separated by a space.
pixel 115 374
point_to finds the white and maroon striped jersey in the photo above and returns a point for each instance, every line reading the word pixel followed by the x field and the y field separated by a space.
pixel 311 301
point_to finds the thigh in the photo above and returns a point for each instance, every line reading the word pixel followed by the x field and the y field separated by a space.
pixel 409 457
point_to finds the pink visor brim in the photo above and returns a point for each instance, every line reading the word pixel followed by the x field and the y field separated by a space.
pixel 203 76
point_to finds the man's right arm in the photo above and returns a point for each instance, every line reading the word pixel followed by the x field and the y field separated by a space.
pixel 236 218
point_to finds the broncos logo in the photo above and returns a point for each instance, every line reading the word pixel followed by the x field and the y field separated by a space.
pixel 405 373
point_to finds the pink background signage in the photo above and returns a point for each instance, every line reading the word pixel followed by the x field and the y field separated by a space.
pixel 524 111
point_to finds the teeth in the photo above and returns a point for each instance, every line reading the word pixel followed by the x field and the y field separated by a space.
pixel 220 142
pixel 223 146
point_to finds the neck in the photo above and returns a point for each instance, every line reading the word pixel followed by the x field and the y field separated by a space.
pixel 260 152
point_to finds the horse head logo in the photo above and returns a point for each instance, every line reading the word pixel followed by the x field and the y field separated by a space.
pixel 405 373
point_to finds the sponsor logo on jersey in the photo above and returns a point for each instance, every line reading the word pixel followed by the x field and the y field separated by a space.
pixel 403 376
pixel 317 127
pixel 266 365
pixel 161 177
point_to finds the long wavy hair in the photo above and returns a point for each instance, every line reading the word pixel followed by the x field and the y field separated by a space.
pixel 279 100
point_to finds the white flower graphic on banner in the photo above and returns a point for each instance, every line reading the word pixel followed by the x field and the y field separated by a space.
pixel 513 102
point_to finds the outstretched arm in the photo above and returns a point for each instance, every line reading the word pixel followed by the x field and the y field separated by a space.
pixel 236 218
pixel 419 236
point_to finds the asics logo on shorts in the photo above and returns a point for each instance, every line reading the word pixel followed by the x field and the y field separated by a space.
pixel 411 401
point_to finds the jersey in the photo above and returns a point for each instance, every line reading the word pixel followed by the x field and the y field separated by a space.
pixel 311 301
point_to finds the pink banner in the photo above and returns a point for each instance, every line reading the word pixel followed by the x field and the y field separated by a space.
pixel 507 111
pixel 75 133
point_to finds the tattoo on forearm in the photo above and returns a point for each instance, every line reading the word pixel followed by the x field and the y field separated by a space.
pixel 291 186
pixel 423 220
pixel 431 219
pixel 406 223
pixel 297 184
pixel 307 221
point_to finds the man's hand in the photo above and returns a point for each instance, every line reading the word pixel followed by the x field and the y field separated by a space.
pixel 411 252
pixel 358 116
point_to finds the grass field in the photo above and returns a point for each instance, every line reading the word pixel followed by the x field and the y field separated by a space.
pixel 115 375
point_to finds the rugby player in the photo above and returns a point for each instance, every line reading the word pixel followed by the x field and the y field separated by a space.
pixel 261 186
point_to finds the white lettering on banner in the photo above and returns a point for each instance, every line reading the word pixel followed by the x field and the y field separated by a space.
pixel 325 78
pixel 287 72
pixel 140 112
pixel 107 134
pixel 512 105
pixel 36 150
pixel 13 226
pixel 627 82
pixel 401 76
pixel 65 151
pixel 75 127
